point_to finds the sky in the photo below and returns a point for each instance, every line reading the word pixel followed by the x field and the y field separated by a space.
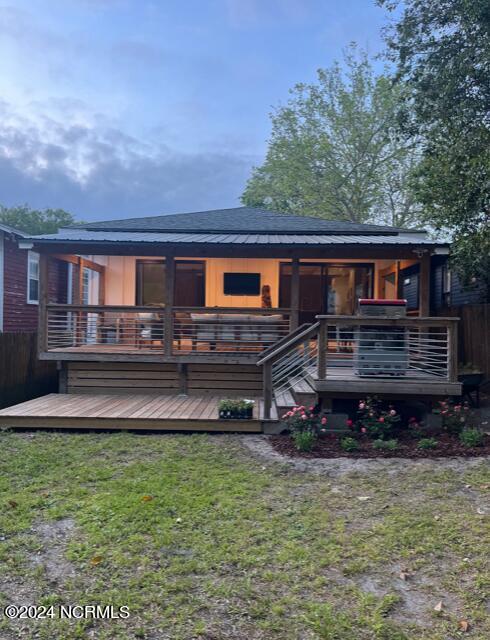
pixel 124 108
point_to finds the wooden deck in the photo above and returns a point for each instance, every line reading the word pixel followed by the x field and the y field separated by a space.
pixel 137 411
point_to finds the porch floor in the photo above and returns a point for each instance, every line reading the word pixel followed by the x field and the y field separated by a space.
pixel 138 411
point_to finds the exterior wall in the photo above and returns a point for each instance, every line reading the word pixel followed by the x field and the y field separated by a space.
pixel 18 314
pixel 458 295
pixel 120 278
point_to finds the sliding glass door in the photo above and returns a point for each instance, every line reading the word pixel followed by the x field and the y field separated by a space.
pixel 189 290
pixel 326 288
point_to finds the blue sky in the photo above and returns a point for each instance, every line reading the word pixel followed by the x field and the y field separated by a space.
pixel 114 108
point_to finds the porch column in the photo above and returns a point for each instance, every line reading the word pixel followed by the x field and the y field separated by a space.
pixel 168 334
pixel 294 318
pixel 42 340
pixel 424 286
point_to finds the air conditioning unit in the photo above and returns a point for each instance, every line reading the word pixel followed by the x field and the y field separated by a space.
pixel 381 350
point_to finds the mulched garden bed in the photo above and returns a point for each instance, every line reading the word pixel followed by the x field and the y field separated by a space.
pixel 329 447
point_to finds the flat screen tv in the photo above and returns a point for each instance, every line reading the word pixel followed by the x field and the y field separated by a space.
pixel 241 284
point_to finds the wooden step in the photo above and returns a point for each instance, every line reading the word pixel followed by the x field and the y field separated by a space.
pixel 284 400
pixel 303 392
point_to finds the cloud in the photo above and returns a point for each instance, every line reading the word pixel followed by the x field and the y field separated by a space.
pixel 101 172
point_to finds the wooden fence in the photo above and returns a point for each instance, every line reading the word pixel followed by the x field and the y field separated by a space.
pixel 22 375
pixel 473 334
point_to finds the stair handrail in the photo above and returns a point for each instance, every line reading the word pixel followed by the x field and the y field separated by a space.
pixel 292 339
pixel 285 338
pixel 266 361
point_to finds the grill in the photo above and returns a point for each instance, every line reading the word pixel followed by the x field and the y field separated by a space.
pixel 381 350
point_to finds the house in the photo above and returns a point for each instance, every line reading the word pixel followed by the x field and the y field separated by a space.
pixel 243 302
pixel 19 282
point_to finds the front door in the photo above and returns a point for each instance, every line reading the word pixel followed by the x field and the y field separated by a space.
pixel 326 288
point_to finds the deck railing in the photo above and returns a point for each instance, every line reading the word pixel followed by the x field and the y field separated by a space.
pixel 358 347
pixel 230 330
pixel 95 328
pixel 175 331
pixel 421 348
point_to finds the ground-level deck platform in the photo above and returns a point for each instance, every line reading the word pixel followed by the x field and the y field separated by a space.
pixel 136 411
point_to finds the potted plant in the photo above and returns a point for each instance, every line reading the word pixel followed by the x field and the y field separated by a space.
pixel 236 409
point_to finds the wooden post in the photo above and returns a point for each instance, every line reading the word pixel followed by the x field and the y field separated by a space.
pixel 452 356
pixel 168 331
pixel 294 318
pixel 267 388
pixel 424 286
pixel 322 350
pixel 42 342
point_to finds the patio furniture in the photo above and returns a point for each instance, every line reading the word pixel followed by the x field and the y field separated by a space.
pixel 216 328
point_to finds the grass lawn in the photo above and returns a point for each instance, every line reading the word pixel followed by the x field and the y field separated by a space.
pixel 201 540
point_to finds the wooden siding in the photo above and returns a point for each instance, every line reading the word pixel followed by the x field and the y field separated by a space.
pixel 22 375
pixel 162 378
pixel 473 334
pixel 18 315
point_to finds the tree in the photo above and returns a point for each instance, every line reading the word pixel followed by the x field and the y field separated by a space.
pixel 442 52
pixel 35 221
pixel 334 151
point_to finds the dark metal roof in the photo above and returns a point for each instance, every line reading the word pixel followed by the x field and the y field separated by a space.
pixel 16 232
pixel 84 235
pixel 240 220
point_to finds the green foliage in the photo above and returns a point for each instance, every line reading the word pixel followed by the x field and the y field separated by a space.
pixel 387 445
pixel 334 151
pixel 299 418
pixel 442 51
pixel 471 437
pixel 35 221
pixel 427 443
pixel 375 420
pixel 455 416
pixel 304 440
pixel 349 444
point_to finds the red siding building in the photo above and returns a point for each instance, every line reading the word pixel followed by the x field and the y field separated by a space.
pixel 19 282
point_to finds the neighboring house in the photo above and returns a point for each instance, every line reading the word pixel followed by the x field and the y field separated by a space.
pixel 236 301
pixel 19 282
pixel 447 289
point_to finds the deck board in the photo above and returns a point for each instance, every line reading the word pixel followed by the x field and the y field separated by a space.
pixel 135 411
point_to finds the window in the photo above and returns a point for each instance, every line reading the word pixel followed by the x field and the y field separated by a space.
pixel 150 283
pixel 32 277
pixel 241 284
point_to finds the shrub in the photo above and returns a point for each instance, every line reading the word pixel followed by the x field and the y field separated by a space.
pixel 427 443
pixel 471 437
pixel 455 417
pixel 376 421
pixel 349 444
pixel 304 440
pixel 387 445
pixel 299 418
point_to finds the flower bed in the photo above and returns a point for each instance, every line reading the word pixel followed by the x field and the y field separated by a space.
pixel 236 409
pixel 329 447
pixel 380 432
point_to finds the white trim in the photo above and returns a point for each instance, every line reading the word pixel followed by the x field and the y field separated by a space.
pixel 2 235
pixel 32 255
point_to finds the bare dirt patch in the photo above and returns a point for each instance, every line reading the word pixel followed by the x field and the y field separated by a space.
pixel 53 538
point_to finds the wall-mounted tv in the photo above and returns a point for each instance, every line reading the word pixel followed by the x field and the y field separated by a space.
pixel 241 284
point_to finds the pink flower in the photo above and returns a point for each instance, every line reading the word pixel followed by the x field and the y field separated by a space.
pixel 362 405
pixel 392 412
pixel 381 419
pixel 324 420
pixel 349 423
pixel 311 408
pixel 363 429
pixel 289 414
pixel 304 416
pixel 323 431
pixel 412 419
pixel 457 407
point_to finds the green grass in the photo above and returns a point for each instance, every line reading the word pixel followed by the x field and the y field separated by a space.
pixel 231 548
